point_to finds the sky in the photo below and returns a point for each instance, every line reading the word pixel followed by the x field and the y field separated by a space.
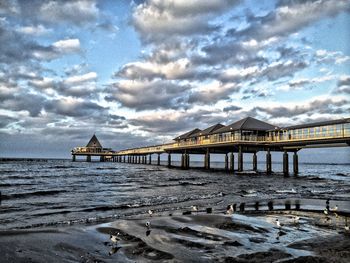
pixel 140 73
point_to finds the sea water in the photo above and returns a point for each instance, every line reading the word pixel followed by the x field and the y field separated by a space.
pixel 53 192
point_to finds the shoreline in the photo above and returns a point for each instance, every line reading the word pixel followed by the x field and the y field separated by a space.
pixel 198 237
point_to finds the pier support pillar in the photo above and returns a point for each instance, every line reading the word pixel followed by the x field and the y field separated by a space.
pixel 169 160
pixel 207 159
pixel 295 163
pixel 158 159
pixel 145 159
pixel 255 162
pixel 102 158
pixel 88 158
pixel 232 162
pixel 73 158
pixel 187 161
pixel 226 162
pixel 124 159
pixel 150 159
pixel 240 159
pixel 133 159
pixel 183 160
pixel 285 164
pixel 268 162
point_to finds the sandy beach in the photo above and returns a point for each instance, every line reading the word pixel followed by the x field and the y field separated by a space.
pixel 198 237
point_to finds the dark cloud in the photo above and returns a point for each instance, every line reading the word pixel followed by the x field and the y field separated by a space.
pixel 159 21
pixel 147 95
pixel 176 123
pixel 319 106
pixel 75 108
pixel 211 94
pixel 6 120
pixel 284 69
pixel 289 17
pixel 232 108
pixel 344 81
pixel 23 101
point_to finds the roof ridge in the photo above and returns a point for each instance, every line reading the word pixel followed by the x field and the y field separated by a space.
pixel 246 119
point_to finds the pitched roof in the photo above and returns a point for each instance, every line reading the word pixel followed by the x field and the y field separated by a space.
pixel 209 130
pixel 94 142
pixel 187 134
pixel 249 124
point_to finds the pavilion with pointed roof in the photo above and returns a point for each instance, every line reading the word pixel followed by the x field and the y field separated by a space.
pixel 94 143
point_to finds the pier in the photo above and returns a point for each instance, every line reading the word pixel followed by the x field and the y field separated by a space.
pixel 248 135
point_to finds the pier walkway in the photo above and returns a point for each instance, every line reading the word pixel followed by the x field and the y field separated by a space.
pixel 248 135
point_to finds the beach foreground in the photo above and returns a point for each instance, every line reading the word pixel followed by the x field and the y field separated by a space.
pixel 198 237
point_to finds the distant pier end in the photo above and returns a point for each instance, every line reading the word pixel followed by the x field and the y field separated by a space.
pixel 93 148
pixel 248 135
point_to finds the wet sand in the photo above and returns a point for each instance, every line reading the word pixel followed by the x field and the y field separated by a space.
pixel 197 237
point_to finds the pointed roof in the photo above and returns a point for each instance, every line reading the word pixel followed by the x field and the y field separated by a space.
pixel 94 142
pixel 249 124
pixel 187 134
pixel 209 130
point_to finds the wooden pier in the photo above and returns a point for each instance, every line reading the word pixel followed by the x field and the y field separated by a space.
pixel 248 135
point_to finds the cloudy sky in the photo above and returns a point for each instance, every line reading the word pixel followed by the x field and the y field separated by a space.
pixel 141 72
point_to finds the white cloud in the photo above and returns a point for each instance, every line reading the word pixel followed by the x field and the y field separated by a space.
pixel 157 20
pixel 76 12
pixel 74 80
pixel 34 30
pixel 67 46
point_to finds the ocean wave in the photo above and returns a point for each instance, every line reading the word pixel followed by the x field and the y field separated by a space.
pixel 28 194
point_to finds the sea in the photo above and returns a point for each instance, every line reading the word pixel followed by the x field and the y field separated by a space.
pixel 52 192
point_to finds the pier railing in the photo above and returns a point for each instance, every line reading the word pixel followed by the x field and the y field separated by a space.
pixel 146 150
pixel 91 150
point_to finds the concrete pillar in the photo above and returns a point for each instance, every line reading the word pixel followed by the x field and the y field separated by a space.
pixel 88 158
pixel 295 163
pixel 226 162
pixel 285 163
pixel 133 159
pixel 73 158
pixel 207 159
pixel 145 159
pixel 187 161
pixel 124 159
pixel 139 159
pixel 150 159
pixel 158 159
pixel 240 159
pixel 255 162
pixel 232 162
pixel 169 160
pixel 268 162
pixel 102 158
